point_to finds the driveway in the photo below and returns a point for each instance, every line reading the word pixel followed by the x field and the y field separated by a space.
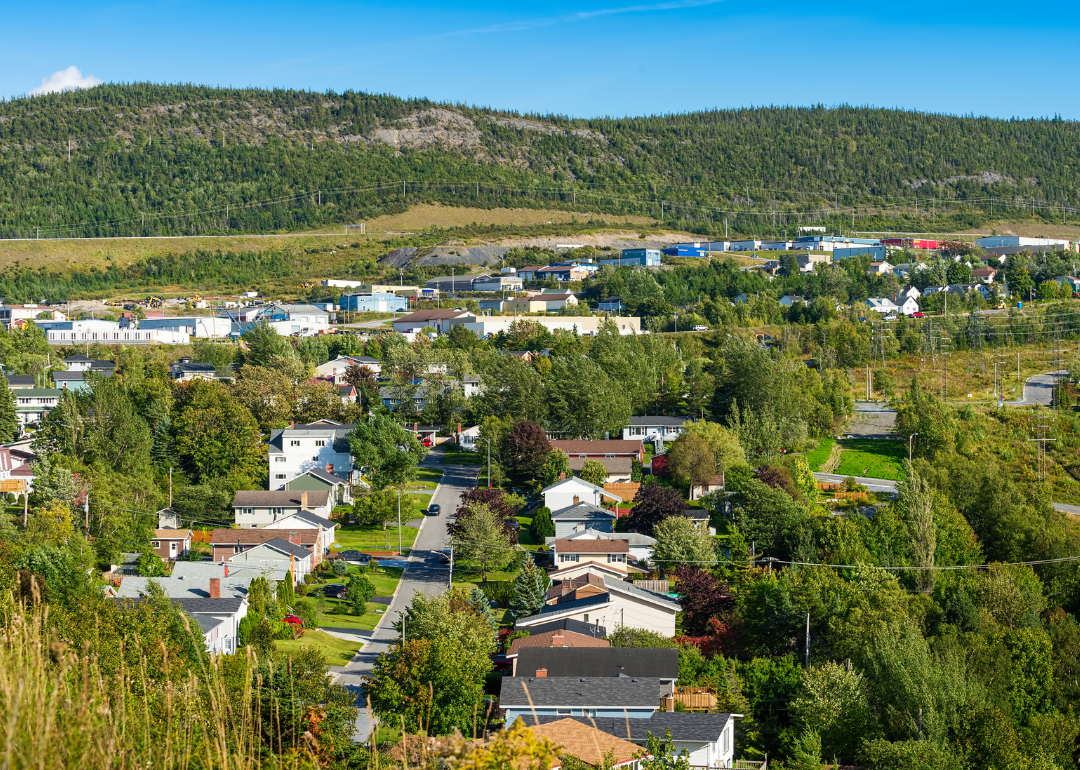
pixel 424 573
pixel 1038 390
pixel 871 419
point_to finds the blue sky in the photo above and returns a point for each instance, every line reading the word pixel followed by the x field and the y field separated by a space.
pixel 595 58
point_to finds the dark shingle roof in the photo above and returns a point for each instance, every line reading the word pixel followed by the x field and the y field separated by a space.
pixel 277 499
pixel 570 624
pixel 20 379
pixel 587 692
pixel 601 661
pixel 577 604
pixel 224 605
pixel 582 511
pixel 703 728
pixel 283 545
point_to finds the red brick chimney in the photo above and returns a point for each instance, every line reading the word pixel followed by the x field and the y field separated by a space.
pixel 416 427
pixel 669 703
pixel 557 639
pixel 541 673
pixel 303 499
pixel 215 588
pixel 294 537
pixel 329 467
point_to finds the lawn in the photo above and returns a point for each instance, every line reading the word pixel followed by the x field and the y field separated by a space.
pixel 873 458
pixel 338 614
pixel 368 537
pixel 426 478
pixel 525 536
pixel 819 455
pixel 458 457
pixel 338 652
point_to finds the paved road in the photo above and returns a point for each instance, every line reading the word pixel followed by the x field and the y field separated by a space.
pixel 423 574
pixel 1038 390
pixel 1071 510
pixel 874 485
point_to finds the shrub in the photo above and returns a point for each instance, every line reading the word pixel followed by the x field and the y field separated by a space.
pixel 307 611
pixel 501 592
pixel 542 526
pixel 340 568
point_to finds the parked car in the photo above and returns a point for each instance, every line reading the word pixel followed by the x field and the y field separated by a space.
pixel 918 314
pixel 701 328
pixel 292 620
pixel 434 509
pixel 334 591
pixel 428 442
pixel 514 524
pixel 354 557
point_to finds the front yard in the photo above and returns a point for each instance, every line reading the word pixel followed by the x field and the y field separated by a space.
pixel 872 458
pixel 338 614
pixel 338 652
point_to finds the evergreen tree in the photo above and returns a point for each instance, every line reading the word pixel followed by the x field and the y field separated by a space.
pixel 9 421
pixel 530 589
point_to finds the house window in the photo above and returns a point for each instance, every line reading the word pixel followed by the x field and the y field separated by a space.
pixel 616 558
pixel 568 557
pixel 155 544
pixel 294 443
pixel 247 511
pixel 609 457
pixel 280 476
pixel 279 459
pixel 277 511
pixel 320 442
pixel 586 617
pixel 562 712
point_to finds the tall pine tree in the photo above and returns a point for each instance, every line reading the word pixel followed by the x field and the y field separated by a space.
pixel 9 421
pixel 530 589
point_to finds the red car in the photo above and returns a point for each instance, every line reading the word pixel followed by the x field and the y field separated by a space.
pixel 428 442
pixel 292 620
pixel 918 314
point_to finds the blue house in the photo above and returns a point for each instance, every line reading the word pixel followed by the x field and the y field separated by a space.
pixel 619 697
pixel 376 302
pixel 877 253
pixel 610 305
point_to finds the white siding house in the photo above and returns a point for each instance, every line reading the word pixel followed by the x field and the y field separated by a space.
pixel 294 451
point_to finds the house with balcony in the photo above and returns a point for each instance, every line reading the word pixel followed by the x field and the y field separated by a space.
pixel 322 445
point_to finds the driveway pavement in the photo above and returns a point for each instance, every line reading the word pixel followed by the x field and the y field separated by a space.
pixel 423 573
pixel 874 485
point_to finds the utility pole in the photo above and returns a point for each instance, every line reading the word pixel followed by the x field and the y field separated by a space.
pixel 450 583
pixel 170 487
pixel 399 539
pixel 86 513
pixel 808 641
pixel 910 439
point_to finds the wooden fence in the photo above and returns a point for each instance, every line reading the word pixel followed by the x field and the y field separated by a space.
pixel 656 586
pixel 829 486
pixel 851 496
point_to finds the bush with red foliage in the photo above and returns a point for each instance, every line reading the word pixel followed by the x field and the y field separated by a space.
pixel 653 504
pixel 702 596
pixel 719 637
pixel 778 477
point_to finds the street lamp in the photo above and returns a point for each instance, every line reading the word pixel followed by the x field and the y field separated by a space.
pixel 399 534
pixel 909 440
pixel 488 442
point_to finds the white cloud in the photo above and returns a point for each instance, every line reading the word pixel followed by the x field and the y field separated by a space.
pixel 65 80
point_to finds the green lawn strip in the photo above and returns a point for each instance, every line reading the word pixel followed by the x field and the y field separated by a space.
pixel 525 537
pixel 872 458
pixel 338 652
pixel 819 455
pixel 338 613
pixel 455 457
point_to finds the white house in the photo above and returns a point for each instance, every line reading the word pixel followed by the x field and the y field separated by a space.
pixel 440 320
pixel 255 508
pixel 11 313
pixel 108 333
pixel 296 450
pixel 907 305
pixel 613 553
pixel 650 428
pixel 186 370
pixel 32 404
pixel 641 546
pixel 201 327
pixel 882 305
pixel 336 369
pixel 277 554
pixel 572 491
pixel 620 604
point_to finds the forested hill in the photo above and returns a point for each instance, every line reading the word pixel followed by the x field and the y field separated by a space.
pixel 150 159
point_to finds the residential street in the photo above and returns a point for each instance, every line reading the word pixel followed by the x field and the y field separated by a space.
pixel 1038 390
pixel 874 485
pixel 424 574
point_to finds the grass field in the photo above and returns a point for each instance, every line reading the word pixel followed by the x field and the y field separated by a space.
pixel 817 456
pixel 873 458
pixel 426 478
pixel 423 217
pixel 338 652
pixel 373 537
pixel 456 457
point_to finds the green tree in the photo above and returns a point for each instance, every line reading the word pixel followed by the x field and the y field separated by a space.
pixel 833 703
pixel 806 752
pixel 556 466
pixel 723 443
pixel 267 393
pixel 385 452
pixel 359 593
pixel 151 565
pixel 264 344
pixel 541 526
pixel 50 524
pixel 661 754
pixel 480 538
pixel 626 636
pixel 593 472
pixel 680 541
pixel 583 401
pixel 9 421
pixel 691 460
pixel 216 436
pixel 530 589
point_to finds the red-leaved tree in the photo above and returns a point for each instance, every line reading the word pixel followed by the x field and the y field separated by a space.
pixel 494 499
pixel 654 503
pixel 528 447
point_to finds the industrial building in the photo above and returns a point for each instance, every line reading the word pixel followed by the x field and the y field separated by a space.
pixel 686 250
pixel 379 302
pixel 635 258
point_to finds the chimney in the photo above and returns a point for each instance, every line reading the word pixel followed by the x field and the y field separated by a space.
pixel 541 673
pixel 226 566
pixel 303 499
pixel 416 427
pixel 329 467
pixel 294 537
pixel 576 499
pixel 215 588
pixel 557 639
pixel 669 703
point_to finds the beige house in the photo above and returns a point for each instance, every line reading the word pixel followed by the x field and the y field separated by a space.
pixel 618 468
pixel 540 303
pixel 171 544
pixel 614 554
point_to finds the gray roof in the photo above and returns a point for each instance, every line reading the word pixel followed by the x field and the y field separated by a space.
pixel 208 623
pixel 21 379
pixel 570 624
pixel 324 475
pixel 578 692
pixel 224 606
pixel 77 376
pixel 187 585
pixel 567 480
pixel 650 421
pixel 197 573
pixel 634 538
pixel 575 605
pixel 314 518
pixel 283 545
pixel 621 586
pixel 582 511
pixel 259 498
pixel 192 366
pixel 693 728
pixel 340 432
pixel 601 661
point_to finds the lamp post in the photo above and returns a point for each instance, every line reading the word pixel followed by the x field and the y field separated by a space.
pixel 909 440
pixel 399 538
pixel 488 442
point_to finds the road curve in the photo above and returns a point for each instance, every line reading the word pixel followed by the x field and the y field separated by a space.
pixel 1038 390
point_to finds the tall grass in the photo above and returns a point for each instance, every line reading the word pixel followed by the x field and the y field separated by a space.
pixel 58 709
